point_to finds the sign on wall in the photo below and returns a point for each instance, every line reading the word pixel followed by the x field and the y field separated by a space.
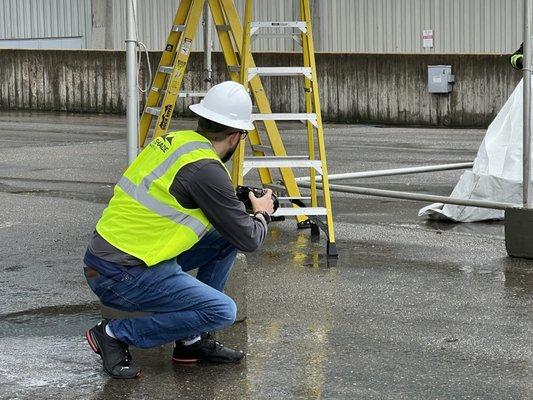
pixel 427 38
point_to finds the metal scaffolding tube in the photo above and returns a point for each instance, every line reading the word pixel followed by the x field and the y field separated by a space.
pixel 391 172
pixel 208 46
pixel 132 112
pixel 418 197
pixel 526 181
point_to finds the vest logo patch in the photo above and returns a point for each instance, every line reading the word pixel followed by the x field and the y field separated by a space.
pixel 161 144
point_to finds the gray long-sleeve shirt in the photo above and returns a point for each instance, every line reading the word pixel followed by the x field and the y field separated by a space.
pixel 204 184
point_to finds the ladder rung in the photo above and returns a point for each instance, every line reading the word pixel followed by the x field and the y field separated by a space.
pixel 276 35
pixel 192 94
pixel 288 199
pixel 280 162
pixel 166 69
pixel 279 71
pixel 234 68
pixel 261 148
pixel 178 28
pixel 286 117
pixel 153 110
pixel 223 28
pixel 293 211
pixel 301 25
pixel 183 94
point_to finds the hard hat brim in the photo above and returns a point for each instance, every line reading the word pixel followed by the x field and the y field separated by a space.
pixel 200 110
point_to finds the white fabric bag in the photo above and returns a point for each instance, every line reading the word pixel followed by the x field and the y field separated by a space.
pixel 497 171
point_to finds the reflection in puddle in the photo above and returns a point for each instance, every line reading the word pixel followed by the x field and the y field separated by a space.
pixel 43 354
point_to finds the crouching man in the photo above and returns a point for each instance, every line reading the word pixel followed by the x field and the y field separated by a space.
pixel 175 210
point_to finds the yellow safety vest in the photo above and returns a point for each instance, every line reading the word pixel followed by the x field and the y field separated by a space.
pixel 143 218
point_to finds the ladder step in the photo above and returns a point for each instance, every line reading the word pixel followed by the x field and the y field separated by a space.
pixel 301 25
pixel 288 199
pixel 279 71
pixel 192 94
pixel 153 110
pixel 262 148
pixel 277 35
pixel 280 162
pixel 166 69
pixel 293 211
pixel 286 117
pixel 223 28
pixel 182 94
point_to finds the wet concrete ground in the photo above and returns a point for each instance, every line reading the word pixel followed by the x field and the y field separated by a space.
pixel 412 310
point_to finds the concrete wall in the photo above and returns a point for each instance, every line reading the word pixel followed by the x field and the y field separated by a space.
pixel 377 88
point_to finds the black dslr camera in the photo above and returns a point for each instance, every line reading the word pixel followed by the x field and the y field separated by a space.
pixel 242 195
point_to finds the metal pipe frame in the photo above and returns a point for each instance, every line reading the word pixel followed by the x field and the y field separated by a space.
pixel 418 197
pixel 392 172
pixel 526 181
pixel 132 108
pixel 208 46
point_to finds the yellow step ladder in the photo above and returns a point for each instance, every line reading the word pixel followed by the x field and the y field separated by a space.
pixel 236 48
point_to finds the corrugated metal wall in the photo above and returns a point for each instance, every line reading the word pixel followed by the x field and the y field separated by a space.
pixel 40 19
pixel 373 26
pixel 366 26
pixel 154 20
pixel 395 26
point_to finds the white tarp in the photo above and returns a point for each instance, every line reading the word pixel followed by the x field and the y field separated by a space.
pixel 497 171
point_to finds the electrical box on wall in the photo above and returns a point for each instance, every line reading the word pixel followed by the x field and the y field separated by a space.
pixel 440 78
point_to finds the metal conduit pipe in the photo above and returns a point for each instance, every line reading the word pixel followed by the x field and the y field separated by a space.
pixel 526 181
pixel 132 112
pixel 391 172
pixel 417 196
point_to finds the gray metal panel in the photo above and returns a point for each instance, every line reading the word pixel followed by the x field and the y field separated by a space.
pixel 155 19
pixel 29 19
pixel 395 26
pixel 369 26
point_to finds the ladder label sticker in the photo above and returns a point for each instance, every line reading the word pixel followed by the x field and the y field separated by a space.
pixel 175 82
pixel 169 47
pixel 165 118
pixel 186 46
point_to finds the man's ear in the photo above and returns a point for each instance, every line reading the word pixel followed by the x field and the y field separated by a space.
pixel 235 138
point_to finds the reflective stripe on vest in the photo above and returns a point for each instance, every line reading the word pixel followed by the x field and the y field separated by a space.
pixel 140 193
pixel 514 60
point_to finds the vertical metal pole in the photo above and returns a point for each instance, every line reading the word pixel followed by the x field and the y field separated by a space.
pixel 208 45
pixel 132 113
pixel 527 106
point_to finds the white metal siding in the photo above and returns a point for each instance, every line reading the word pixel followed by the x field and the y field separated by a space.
pixel 370 26
pixel 43 19
pixel 395 26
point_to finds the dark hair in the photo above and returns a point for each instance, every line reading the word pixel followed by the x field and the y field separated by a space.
pixel 213 130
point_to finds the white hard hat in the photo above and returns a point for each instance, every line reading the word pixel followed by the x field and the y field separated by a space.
pixel 227 103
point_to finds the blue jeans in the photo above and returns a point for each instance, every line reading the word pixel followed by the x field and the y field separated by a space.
pixel 181 306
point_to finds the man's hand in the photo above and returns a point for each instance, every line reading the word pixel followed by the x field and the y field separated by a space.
pixel 264 203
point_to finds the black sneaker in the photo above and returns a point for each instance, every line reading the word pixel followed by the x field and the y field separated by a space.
pixel 206 349
pixel 115 355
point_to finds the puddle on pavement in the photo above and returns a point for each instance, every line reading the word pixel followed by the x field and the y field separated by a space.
pixel 43 354
pixel 490 228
